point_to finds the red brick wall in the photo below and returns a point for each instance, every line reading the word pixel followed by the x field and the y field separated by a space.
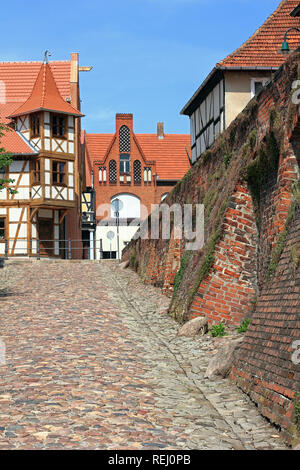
pixel 227 291
pixel 263 367
pixel 148 193
pixel 251 228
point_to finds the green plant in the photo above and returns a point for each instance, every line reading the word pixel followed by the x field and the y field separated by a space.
pixel 5 160
pixel 295 255
pixel 296 403
pixel 218 331
pixel 227 159
pixel 180 272
pixel 244 326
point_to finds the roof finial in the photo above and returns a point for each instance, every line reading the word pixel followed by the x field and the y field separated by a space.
pixel 47 53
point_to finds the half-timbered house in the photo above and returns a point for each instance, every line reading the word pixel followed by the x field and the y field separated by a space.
pixel 234 81
pixel 40 104
pixel 137 169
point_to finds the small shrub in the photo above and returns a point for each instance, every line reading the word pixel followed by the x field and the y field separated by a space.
pixel 227 159
pixel 296 403
pixel 218 331
pixel 244 326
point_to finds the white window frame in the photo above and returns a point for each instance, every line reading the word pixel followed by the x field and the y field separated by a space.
pixel 264 80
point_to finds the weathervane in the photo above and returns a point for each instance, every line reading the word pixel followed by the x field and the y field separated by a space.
pixel 47 53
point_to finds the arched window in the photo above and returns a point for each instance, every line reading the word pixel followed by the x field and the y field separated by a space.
pixel 124 139
pixel 137 172
pixel 112 171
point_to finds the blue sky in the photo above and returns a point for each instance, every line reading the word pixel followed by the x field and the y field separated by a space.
pixel 148 56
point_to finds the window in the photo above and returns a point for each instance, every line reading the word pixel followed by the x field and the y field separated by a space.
pixel 137 173
pixel 102 174
pixel 36 172
pixel 2 228
pixel 58 173
pixel 147 174
pixel 112 171
pixel 58 126
pixel 35 125
pixel 257 85
pixel 124 164
pixel 124 139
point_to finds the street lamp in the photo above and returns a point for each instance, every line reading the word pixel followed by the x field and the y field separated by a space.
pixel 117 207
pixel 285 48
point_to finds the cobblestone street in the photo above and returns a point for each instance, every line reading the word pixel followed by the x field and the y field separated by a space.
pixel 93 362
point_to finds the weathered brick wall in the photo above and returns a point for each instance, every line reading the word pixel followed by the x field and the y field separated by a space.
pixel 246 183
pixel 264 367
pixel 249 225
pixel 227 291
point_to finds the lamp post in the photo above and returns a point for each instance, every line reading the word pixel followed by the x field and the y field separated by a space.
pixel 285 48
pixel 117 206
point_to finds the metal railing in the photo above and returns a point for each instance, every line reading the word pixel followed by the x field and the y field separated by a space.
pixel 59 248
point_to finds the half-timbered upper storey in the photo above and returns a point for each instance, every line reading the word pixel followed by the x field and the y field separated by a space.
pixel 39 103
pixel 234 81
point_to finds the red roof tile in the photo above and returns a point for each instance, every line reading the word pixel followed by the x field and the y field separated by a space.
pixel 15 144
pixel 169 153
pixel 45 95
pixel 11 141
pixel 20 77
pixel 261 49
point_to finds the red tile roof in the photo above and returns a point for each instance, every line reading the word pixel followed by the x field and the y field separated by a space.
pixel 20 77
pixel 169 153
pixel 12 141
pixel 15 144
pixel 45 96
pixel 261 49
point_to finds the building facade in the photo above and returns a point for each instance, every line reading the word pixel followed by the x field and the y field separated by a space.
pixel 138 170
pixel 234 81
pixel 40 104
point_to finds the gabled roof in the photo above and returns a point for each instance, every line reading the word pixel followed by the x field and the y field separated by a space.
pixel 12 141
pixel 169 153
pixel 262 48
pixel 45 96
pixel 260 52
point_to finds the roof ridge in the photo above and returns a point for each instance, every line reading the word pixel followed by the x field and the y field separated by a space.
pixel 33 61
pixel 256 32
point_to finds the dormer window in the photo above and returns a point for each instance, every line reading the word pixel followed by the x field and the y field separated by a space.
pixel 59 126
pixel 35 125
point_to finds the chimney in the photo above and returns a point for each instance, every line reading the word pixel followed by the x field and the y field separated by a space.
pixel 160 130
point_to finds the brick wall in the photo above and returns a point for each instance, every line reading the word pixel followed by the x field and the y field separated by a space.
pixel 230 287
pixel 264 367
pixel 230 276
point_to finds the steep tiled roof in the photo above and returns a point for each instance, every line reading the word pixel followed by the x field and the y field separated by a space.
pixel 45 95
pixel 169 153
pixel 12 141
pixel 261 49
pixel 20 77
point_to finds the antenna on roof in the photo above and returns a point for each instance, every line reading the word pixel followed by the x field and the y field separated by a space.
pixel 47 53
